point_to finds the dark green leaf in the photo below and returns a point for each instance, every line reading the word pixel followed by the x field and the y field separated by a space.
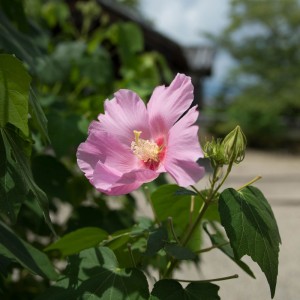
pixel 78 240
pixel 15 11
pixel 57 67
pixel 217 240
pixel 97 276
pixel 108 281
pixel 29 257
pixel 17 43
pixel 202 291
pixel 64 133
pixel 4 263
pixel 14 93
pixel 51 175
pixel 13 189
pixel 179 252
pixel 17 151
pixel 156 241
pixel 168 289
pixel 252 229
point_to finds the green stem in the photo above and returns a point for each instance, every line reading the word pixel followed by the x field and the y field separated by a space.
pixel 190 232
pixel 172 264
pixel 170 220
pixel 148 197
pixel 212 247
pixel 192 207
pixel 249 183
pixel 210 280
pixel 196 223
pixel 223 180
pixel 197 191
pixel 131 255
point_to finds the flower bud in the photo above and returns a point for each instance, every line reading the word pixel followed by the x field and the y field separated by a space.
pixel 234 146
pixel 214 151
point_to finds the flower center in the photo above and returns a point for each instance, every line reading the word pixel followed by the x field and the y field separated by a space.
pixel 145 150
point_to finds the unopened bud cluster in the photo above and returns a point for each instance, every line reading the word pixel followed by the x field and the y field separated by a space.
pixel 230 150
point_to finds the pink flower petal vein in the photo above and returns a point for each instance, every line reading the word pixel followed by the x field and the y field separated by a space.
pixel 131 144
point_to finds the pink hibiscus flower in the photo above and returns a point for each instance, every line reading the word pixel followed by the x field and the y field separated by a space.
pixel 132 144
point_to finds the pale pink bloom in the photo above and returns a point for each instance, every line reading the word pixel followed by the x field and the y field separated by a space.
pixel 132 144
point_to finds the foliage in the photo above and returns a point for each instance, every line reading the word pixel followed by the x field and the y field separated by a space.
pixel 55 72
pixel 260 93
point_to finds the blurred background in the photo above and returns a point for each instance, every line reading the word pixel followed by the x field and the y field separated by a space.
pixel 244 60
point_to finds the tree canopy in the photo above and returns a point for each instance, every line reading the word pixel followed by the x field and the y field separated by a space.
pixel 263 38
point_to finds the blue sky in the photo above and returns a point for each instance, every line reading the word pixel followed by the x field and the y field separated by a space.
pixel 185 21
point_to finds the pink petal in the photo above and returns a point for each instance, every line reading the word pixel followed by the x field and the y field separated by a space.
pixel 183 150
pixel 112 182
pixel 185 172
pixel 88 154
pixel 124 114
pixel 102 147
pixel 167 104
pixel 183 141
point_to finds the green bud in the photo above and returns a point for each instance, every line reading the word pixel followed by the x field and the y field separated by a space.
pixel 214 151
pixel 234 146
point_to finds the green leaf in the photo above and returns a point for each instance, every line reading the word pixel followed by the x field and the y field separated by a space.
pixel 78 240
pixel 252 229
pixel 90 65
pixel 15 42
pixel 38 115
pixel 64 133
pixel 14 93
pixel 172 290
pixel 29 257
pixel 58 65
pixel 4 264
pixel 130 42
pixel 179 252
pixel 13 189
pixel 108 281
pixel 118 239
pixel 95 274
pixel 217 240
pixel 51 175
pixel 18 152
pixel 167 204
pixel 15 11
pixel 156 241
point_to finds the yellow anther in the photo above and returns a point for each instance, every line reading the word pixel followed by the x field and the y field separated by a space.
pixel 137 136
pixel 145 150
